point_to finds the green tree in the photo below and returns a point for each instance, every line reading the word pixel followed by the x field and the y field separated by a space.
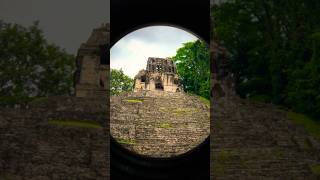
pixel 120 82
pixel 193 66
pixel 272 49
pixel 30 66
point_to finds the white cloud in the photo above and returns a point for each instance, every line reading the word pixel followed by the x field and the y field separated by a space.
pixel 131 52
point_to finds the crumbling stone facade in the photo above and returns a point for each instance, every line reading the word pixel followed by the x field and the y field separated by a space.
pixel 92 65
pixel 160 74
pixel 62 137
pixel 222 79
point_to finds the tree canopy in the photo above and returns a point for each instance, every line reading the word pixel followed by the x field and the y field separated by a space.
pixel 193 66
pixel 120 82
pixel 30 66
pixel 273 50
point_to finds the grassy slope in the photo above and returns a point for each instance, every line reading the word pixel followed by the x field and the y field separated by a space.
pixel 312 126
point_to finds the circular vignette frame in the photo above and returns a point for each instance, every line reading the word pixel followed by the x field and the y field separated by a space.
pixel 193 164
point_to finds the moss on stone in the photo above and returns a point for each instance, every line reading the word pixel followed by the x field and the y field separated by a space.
pixel 134 100
pixel 277 153
pixel 310 125
pixel 165 125
pixel 75 123
pixel 224 156
pixel 39 99
pixel 183 111
pixel 101 142
pixel 315 169
pixel 307 145
pixel 204 100
pixel 220 160
pixel 219 169
pixel 126 141
pixel 6 178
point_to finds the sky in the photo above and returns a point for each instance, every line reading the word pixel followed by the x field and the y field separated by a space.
pixel 66 23
pixel 132 51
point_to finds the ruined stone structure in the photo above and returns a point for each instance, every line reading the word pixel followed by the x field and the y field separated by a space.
pixel 222 79
pixel 160 74
pixel 62 137
pixel 253 140
pixel 55 138
pixel 159 123
pixel 91 62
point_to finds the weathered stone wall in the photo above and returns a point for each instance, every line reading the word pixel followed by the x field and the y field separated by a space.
pixel 35 144
pixel 161 72
pixel 91 73
pixel 252 140
pixel 63 137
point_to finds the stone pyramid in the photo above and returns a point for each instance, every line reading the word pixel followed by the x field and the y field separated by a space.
pixel 252 140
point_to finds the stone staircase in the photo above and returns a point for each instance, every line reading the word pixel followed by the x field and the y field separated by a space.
pixel 38 143
pixel 251 140
pixel 158 123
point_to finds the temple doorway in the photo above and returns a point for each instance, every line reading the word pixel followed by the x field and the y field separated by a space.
pixel 159 84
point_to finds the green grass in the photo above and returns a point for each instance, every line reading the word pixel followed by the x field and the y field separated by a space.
pixel 260 98
pixel 219 169
pixel 310 125
pixel 134 100
pixel 165 125
pixel 75 123
pixel 182 111
pixel 39 99
pixel 6 178
pixel 126 141
pixel 220 161
pixel 101 142
pixel 277 153
pixel 10 101
pixel 307 145
pixel 315 169
pixel 204 100
pixel 224 156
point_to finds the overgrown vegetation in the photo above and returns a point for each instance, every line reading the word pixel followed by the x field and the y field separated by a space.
pixel 134 100
pixel 120 82
pixel 277 153
pixel 183 111
pixel 126 141
pixel 315 169
pixel 220 161
pixel 30 66
pixel 313 127
pixel 205 101
pixel 75 123
pixel 273 50
pixel 193 66
pixel 165 125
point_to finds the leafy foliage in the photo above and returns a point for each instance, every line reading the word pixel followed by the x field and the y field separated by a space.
pixel 193 66
pixel 30 66
pixel 120 82
pixel 273 50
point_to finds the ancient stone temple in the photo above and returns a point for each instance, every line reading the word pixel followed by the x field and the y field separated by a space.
pixel 160 74
pixel 92 65
pixel 222 79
